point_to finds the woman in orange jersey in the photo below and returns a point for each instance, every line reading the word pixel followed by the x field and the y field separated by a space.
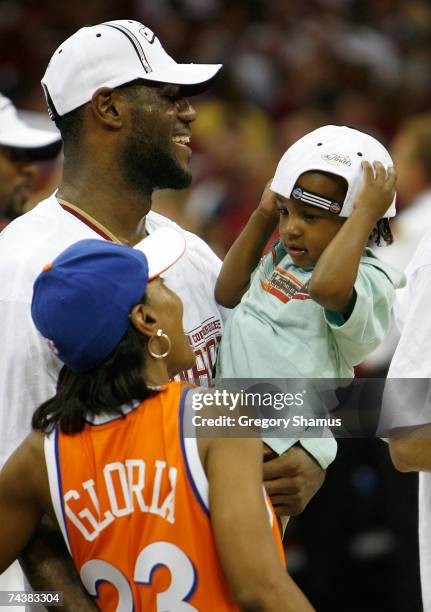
pixel 154 520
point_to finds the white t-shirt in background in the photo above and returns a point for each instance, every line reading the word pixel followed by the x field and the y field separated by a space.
pixel 412 359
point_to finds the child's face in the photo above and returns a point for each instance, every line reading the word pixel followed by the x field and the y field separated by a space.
pixel 305 230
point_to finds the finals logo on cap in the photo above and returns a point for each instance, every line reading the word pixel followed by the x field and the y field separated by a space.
pixel 337 160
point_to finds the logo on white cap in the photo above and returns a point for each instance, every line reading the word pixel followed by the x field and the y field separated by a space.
pixel 149 34
pixel 335 208
pixel 337 160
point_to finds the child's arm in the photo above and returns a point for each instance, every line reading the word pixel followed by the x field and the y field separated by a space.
pixel 334 275
pixel 244 254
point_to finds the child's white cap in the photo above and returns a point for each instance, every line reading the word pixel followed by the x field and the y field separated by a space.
pixel 335 149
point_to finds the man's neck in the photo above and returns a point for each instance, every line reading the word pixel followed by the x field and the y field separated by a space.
pixel 110 203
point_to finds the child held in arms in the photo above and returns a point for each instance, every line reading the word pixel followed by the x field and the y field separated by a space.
pixel 319 301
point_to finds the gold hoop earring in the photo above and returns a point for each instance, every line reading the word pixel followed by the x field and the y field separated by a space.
pixel 159 334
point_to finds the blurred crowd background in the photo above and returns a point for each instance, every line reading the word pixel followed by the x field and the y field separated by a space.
pixel 290 66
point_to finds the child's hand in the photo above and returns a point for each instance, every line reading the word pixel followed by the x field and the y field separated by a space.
pixel 377 192
pixel 268 203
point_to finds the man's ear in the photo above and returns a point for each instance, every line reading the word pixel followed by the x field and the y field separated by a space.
pixel 144 319
pixel 107 107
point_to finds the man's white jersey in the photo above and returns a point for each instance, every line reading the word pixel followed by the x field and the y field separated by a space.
pixel 193 277
pixel 28 368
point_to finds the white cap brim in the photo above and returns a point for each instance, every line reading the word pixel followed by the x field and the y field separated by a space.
pixel 185 74
pixel 15 133
pixel 162 248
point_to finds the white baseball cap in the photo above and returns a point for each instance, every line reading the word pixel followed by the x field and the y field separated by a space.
pixel 17 134
pixel 335 149
pixel 111 54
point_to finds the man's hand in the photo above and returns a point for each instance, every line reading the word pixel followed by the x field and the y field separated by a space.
pixel 291 479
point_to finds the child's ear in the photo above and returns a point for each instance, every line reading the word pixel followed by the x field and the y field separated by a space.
pixel 144 319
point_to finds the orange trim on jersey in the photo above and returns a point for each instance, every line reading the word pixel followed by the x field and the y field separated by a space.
pixel 293 278
pixel 282 296
pixel 276 292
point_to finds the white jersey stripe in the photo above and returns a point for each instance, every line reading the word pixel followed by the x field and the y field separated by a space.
pixel 197 473
pixel 195 470
pixel 50 447
pixel 268 508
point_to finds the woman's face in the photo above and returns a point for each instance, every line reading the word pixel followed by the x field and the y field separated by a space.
pixel 169 310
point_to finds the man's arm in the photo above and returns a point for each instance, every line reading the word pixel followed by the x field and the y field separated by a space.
pixel 48 566
pixel 244 539
pixel 410 449
pixel 24 495
pixel 291 479
pixel 246 251
pixel 20 506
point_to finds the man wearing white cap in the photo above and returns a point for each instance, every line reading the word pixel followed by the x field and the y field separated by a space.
pixel 123 138
pixel 119 102
pixel 20 147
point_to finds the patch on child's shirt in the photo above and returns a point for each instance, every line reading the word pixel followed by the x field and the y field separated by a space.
pixel 285 286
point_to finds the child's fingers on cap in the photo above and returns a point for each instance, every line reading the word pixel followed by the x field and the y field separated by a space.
pixel 391 177
pixel 380 171
pixel 368 170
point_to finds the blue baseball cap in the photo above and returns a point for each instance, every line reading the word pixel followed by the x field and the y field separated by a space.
pixel 82 300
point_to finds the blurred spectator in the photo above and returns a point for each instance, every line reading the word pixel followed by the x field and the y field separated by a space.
pixel 411 152
pixel 21 147
pixel 357 62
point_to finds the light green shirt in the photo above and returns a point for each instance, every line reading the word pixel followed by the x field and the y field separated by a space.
pixel 278 331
